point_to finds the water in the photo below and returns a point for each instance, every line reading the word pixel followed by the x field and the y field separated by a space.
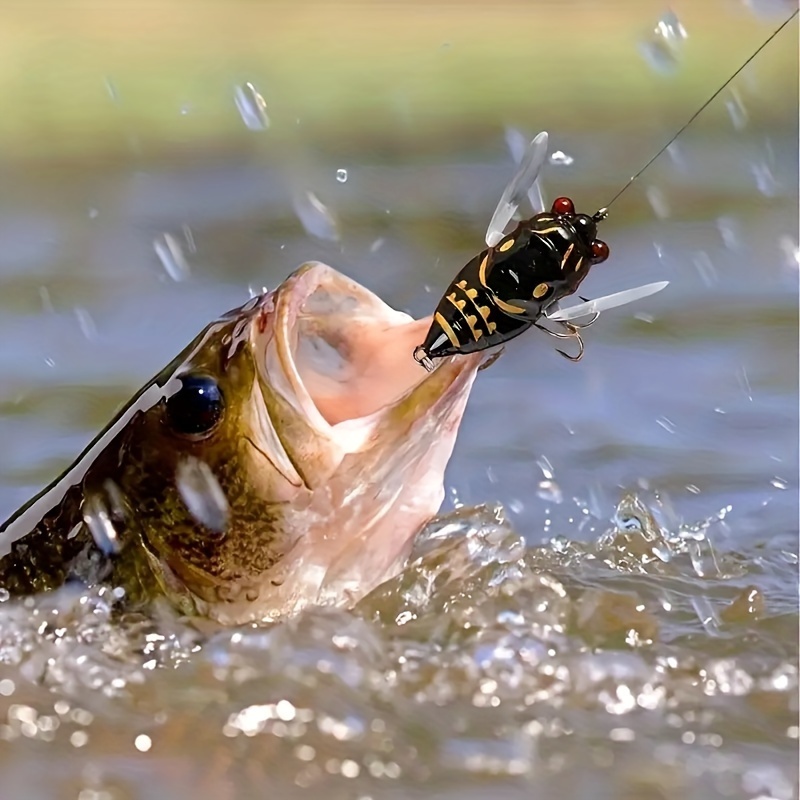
pixel 549 668
pixel 664 47
pixel 607 607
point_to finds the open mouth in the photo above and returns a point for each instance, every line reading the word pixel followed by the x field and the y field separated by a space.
pixel 350 438
pixel 343 355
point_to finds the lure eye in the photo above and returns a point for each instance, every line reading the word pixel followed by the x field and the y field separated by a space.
pixel 586 228
pixel 563 205
pixel 599 251
pixel 196 408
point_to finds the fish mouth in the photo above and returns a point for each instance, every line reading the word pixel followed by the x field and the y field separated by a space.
pixel 344 359
pixel 349 443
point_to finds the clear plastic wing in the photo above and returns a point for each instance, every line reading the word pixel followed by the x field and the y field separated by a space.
pixel 523 180
pixel 517 145
pixel 604 303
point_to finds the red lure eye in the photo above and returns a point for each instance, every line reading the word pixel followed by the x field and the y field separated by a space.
pixel 599 251
pixel 563 205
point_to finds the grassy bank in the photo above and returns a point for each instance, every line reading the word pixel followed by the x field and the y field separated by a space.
pixel 92 80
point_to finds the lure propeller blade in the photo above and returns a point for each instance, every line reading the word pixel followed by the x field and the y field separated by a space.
pixel 604 303
pixel 524 178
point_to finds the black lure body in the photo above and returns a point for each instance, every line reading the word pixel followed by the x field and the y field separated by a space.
pixel 543 260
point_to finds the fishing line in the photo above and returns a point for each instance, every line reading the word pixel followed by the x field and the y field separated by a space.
pixel 700 110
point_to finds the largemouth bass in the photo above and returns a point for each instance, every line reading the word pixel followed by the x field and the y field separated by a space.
pixel 287 457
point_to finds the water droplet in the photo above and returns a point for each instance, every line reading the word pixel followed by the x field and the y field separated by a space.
pixel 142 743
pixel 667 424
pixel 791 251
pixel 189 236
pixel 547 488
pixel 706 270
pixel 47 303
pixel 50 362
pixel 676 156
pixel 169 252
pixel 769 9
pixel 516 141
pixel 779 483
pixel 111 89
pixel 663 49
pixel 118 506
pixel 662 551
pixel 202 494
pixel 98 521
pixel 252 107
pixel 454 498
pixel 701 554
pixel 4 594
pixel 376 245
pixel 658 202
pixel 560 158
pixel 86 324
pixel 706 614
pixel 315 217
pixel 621 735
pixel 736 110
pixel 550 491
pixel 546 467
pixel 79 739
pixel 744 382
pixel 669 27
pixel 728 230
pixel 766 183
pixel 93 212
pixel 341 175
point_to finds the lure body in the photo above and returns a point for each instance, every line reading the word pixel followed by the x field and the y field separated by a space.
pixel 506 288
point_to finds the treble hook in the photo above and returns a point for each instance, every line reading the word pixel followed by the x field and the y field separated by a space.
pixel 574 333
pixel 595 316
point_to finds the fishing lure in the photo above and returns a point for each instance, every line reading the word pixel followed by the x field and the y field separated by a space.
pixel 523 275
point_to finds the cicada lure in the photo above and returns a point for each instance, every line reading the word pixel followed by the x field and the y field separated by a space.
pixel 522 275
pixel 506 288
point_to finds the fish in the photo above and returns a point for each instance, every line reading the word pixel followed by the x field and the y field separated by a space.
pixel 287 457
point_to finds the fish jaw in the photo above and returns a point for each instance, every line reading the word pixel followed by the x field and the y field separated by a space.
pixel 368 431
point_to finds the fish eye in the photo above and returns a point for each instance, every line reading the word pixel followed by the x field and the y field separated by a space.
pixel 563 205
pixel 599 251
pixel 196 408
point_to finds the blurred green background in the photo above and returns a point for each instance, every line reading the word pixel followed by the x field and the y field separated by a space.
pixel 100 80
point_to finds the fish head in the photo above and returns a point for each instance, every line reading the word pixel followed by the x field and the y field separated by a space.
pixel 295 452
